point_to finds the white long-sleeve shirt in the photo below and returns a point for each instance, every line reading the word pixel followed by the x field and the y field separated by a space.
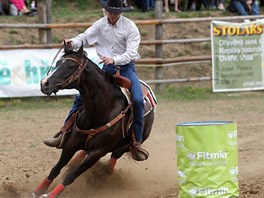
pixel 119 41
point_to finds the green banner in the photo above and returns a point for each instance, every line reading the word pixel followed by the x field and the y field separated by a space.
pixel 207 159
pixel 237 56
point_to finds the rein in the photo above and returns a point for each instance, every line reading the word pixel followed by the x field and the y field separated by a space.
pixel 54 59
pixel 75 76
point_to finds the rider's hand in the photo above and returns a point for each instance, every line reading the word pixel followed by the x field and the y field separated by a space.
pixel 68 43
pixel 107 60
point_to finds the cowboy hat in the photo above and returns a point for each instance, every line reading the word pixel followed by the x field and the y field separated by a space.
pixel 114 6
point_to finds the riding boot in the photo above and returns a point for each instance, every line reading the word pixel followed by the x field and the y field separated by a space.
pixel 138 153
pixel 54 141
pixel 58 139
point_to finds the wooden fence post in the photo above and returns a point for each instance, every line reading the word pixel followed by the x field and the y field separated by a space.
pixel 42 20
pixel 44 15
pixel 49 20
pixel 158 36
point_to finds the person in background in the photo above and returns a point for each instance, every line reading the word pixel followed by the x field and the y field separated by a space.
pixel 147 5
pixel 21 7
pixel 4 7
pixel 151 4
pixel 128 3
pixel 176 6
pixel 220 6
pixel 33 5
pixel 244 7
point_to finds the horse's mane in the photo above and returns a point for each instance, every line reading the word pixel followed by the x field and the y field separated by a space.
pixel 107 75
pixel 70 52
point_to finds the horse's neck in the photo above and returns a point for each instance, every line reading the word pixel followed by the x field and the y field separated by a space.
pixel 94 84
pixel 101 98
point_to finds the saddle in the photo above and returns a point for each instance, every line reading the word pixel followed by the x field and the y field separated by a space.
pixel 149 97
pixel 150 100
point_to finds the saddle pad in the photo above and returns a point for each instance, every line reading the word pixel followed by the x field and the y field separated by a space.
pixel 150 100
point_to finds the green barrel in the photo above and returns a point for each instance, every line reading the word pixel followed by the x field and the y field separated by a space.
pixel 207 159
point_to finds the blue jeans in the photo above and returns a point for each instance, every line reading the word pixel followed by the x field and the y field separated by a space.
pixel 241 8
pixel 129 72
pixel 151 4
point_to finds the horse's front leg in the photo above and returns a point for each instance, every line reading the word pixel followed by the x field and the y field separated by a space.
pixel 77 158
pixel 87 163
pixel 42 188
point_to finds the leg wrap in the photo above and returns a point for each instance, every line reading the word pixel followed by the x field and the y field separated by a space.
pixel 56 191
pixel 43 187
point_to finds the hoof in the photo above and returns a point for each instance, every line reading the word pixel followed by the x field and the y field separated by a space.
pixel 33 195
pixel 44 196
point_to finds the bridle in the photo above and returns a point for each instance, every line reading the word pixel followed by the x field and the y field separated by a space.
pixel 75 76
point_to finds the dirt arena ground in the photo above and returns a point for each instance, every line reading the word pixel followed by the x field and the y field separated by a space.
pixel 25 160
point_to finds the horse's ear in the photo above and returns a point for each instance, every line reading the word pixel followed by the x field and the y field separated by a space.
pixel 80 51
pixel 66 47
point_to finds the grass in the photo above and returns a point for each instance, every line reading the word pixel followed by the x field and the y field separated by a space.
pixel 10 104
pixel 201 93
pixel 184 93
pixel 169 93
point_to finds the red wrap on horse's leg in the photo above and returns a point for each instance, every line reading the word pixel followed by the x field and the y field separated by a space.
pixel 111 166
pixel 56 191
pixel 43 187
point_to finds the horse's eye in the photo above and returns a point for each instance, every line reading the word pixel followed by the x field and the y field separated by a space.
pixel 71 67
pixel 57 64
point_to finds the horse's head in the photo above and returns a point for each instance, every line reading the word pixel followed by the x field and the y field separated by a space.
pixel 67 72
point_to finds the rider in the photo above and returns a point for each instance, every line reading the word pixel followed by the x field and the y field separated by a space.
pixel 116 39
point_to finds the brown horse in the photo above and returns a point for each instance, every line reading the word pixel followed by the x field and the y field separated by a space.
pixel 104 103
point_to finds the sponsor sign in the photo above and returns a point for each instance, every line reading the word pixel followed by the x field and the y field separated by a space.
pixel 207 159
pixel 22 70
pixel 237 55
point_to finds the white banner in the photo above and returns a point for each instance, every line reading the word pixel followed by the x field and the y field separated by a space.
pixel 237 55
pixel 22 70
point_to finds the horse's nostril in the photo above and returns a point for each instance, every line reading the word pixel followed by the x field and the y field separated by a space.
pixel 46 84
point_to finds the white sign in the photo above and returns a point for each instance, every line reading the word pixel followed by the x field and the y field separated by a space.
pixel 237 55
pixel 22 70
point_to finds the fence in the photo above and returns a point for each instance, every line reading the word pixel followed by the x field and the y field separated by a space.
pixel 45 30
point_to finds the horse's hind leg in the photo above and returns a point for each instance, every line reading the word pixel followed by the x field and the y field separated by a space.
pixel 115 156
pixel 42 188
